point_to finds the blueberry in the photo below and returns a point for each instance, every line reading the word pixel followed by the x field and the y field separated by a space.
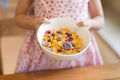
pixel 44 43
pixel 68 34
pixel 59 38
pixel 53 34
pixel 67 46
pixel 59 31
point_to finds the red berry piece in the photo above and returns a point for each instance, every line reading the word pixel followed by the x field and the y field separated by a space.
pixel 49 40
pixel 48 32
pixel 70 38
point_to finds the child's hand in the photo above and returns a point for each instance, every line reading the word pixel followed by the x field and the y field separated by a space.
pixel 83 24
pixel 39 21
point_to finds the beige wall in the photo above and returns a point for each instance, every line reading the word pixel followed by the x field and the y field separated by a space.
pixel 115 4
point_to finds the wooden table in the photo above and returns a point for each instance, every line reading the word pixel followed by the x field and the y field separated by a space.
pixel 106 72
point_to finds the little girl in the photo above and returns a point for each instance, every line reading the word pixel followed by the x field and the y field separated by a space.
pixel 86 12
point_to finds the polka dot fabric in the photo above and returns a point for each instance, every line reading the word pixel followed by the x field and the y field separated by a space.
pixel 32 58
pixel 76 9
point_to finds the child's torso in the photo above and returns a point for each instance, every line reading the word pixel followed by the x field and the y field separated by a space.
pixel 33 58
pixel 76 9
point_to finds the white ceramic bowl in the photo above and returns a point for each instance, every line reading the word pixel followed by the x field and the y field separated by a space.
pixel 64 22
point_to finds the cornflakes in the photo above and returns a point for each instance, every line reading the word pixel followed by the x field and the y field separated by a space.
pixel 62 41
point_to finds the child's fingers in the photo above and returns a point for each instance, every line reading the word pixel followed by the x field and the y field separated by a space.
pixel 47 21
pixel 81 24
pixel 86 24
pixel 42 20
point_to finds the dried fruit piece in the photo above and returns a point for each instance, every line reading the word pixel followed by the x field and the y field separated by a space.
pixel 68 33
pixel 52 34
pixel 49 40
pixel 59 31
pixel 59 50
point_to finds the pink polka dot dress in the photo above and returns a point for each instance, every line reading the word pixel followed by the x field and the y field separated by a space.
pixel 32 58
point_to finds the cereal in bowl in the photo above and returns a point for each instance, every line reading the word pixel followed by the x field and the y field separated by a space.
pixel 62 41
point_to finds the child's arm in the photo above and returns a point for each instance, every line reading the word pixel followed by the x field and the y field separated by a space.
pixel 24 21
pixel 97 18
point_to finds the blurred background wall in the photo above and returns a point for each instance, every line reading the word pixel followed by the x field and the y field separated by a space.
pixel 115 4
